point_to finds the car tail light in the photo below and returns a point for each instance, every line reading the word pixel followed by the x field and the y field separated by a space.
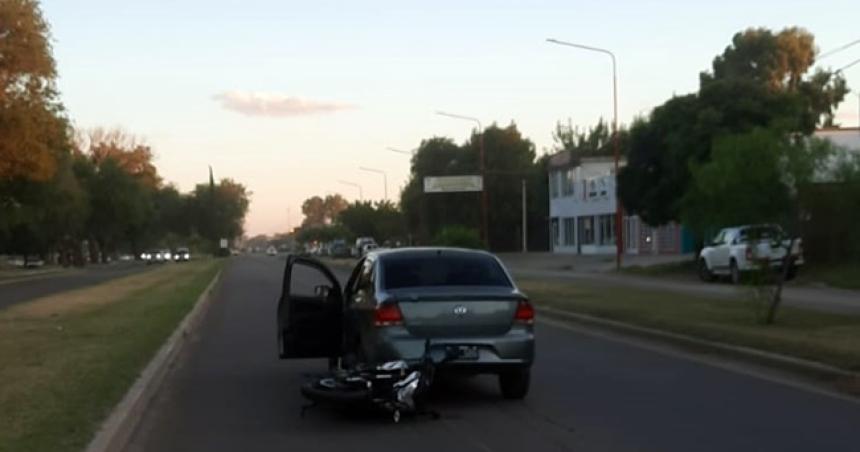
pixel 749 253
pixel 388 315
pixel 525 312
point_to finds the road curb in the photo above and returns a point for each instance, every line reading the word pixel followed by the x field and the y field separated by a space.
pixel 771 359
pixel 116 430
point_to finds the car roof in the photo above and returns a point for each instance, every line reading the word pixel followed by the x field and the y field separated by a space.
pixel 425 251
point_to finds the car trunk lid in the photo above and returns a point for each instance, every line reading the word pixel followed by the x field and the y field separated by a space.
pixel 457 311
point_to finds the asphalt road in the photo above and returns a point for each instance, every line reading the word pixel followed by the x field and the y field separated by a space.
pixel 589 393
pixel 12 292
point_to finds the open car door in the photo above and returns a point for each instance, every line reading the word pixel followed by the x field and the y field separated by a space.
pixel 310 311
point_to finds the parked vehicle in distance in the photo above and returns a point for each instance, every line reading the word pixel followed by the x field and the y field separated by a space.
pixel 360 242
pixel 28 261
pixel 339 248
pixel 396 299
pixel 368 247
pixel 740 249
pixel 271 251
pixel 182 254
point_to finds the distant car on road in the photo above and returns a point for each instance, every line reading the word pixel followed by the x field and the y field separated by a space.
pixel 368 247
pixel 740 249
pixel 360 243
pixel 156 256
pixel 272 251
pixel 394 300
pixel 339 248
pixel 182 254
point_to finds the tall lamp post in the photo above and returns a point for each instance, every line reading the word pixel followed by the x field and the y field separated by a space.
pixel 619 240
pixel 482 162
pixel 353 184
pixel 399 151
pixel 384 177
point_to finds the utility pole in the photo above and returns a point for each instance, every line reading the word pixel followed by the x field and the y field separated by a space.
pixel 619 240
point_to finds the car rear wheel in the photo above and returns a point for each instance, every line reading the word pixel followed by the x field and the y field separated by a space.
pixel 515 384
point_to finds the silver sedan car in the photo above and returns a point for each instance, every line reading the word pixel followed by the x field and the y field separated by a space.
pixel 462 300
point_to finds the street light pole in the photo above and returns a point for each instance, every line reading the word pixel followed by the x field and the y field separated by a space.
pixel 353 184
pixel 384 177
pixel 619 240
pixel 482 162
pixel 399 151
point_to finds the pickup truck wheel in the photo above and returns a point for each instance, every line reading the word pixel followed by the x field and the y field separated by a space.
pixel 515 384
pixel 705 273
pixel 734 272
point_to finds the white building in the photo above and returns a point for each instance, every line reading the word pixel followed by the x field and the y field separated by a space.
pixel 582 202
pixel 845 137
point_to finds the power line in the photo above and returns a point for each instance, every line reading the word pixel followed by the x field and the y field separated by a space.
pixel 837 50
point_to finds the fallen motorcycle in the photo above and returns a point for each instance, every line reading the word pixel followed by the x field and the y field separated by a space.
pixel 395 386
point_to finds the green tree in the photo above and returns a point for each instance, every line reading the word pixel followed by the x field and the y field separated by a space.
pixel 510 159
pixel 319 211
pixel 380 220
pixel 590 142
pixel 219 210
pixel 761 80
pixel 756 177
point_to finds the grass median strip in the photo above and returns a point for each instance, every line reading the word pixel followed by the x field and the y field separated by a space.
pixel 827 338
pixel 68 359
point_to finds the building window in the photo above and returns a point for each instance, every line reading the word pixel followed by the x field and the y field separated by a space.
pixel 554 231
pixel 569 231
pixel 592 188
pixel 607 229
pixel 603 186
pixel 553 184
pixel 586 230
pixel 567 181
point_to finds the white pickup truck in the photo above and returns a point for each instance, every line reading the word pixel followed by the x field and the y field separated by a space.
pixel 743 248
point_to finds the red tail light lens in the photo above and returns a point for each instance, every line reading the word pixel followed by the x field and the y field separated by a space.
pixel 525 312
pixel 749 253
pixel 387 315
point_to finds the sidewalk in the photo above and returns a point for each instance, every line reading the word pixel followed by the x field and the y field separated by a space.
pixel 599 270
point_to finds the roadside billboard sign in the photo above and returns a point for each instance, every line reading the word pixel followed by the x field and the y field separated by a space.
pixel 452 184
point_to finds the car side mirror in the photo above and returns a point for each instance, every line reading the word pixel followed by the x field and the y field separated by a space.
pixel 322 291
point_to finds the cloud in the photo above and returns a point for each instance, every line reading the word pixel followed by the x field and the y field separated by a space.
pixel 274 104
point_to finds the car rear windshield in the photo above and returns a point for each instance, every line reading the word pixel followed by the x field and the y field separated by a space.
pixel 442 270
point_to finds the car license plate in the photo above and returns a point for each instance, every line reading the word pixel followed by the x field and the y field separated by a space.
pixel 469 352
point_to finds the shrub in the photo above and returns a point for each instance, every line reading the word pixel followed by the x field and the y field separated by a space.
pixel 458 236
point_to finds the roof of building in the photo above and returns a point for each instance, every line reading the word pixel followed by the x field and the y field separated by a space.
pixel 847 137
pixel 567 159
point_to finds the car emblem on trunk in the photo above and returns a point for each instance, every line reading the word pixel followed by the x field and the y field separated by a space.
pixel 460 310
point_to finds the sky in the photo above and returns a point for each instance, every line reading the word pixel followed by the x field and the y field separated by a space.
pixel 291 98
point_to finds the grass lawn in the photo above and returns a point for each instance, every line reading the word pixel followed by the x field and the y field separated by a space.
pixel 845 276
pixel 686 269
pixel 67 359
pixel 828 338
